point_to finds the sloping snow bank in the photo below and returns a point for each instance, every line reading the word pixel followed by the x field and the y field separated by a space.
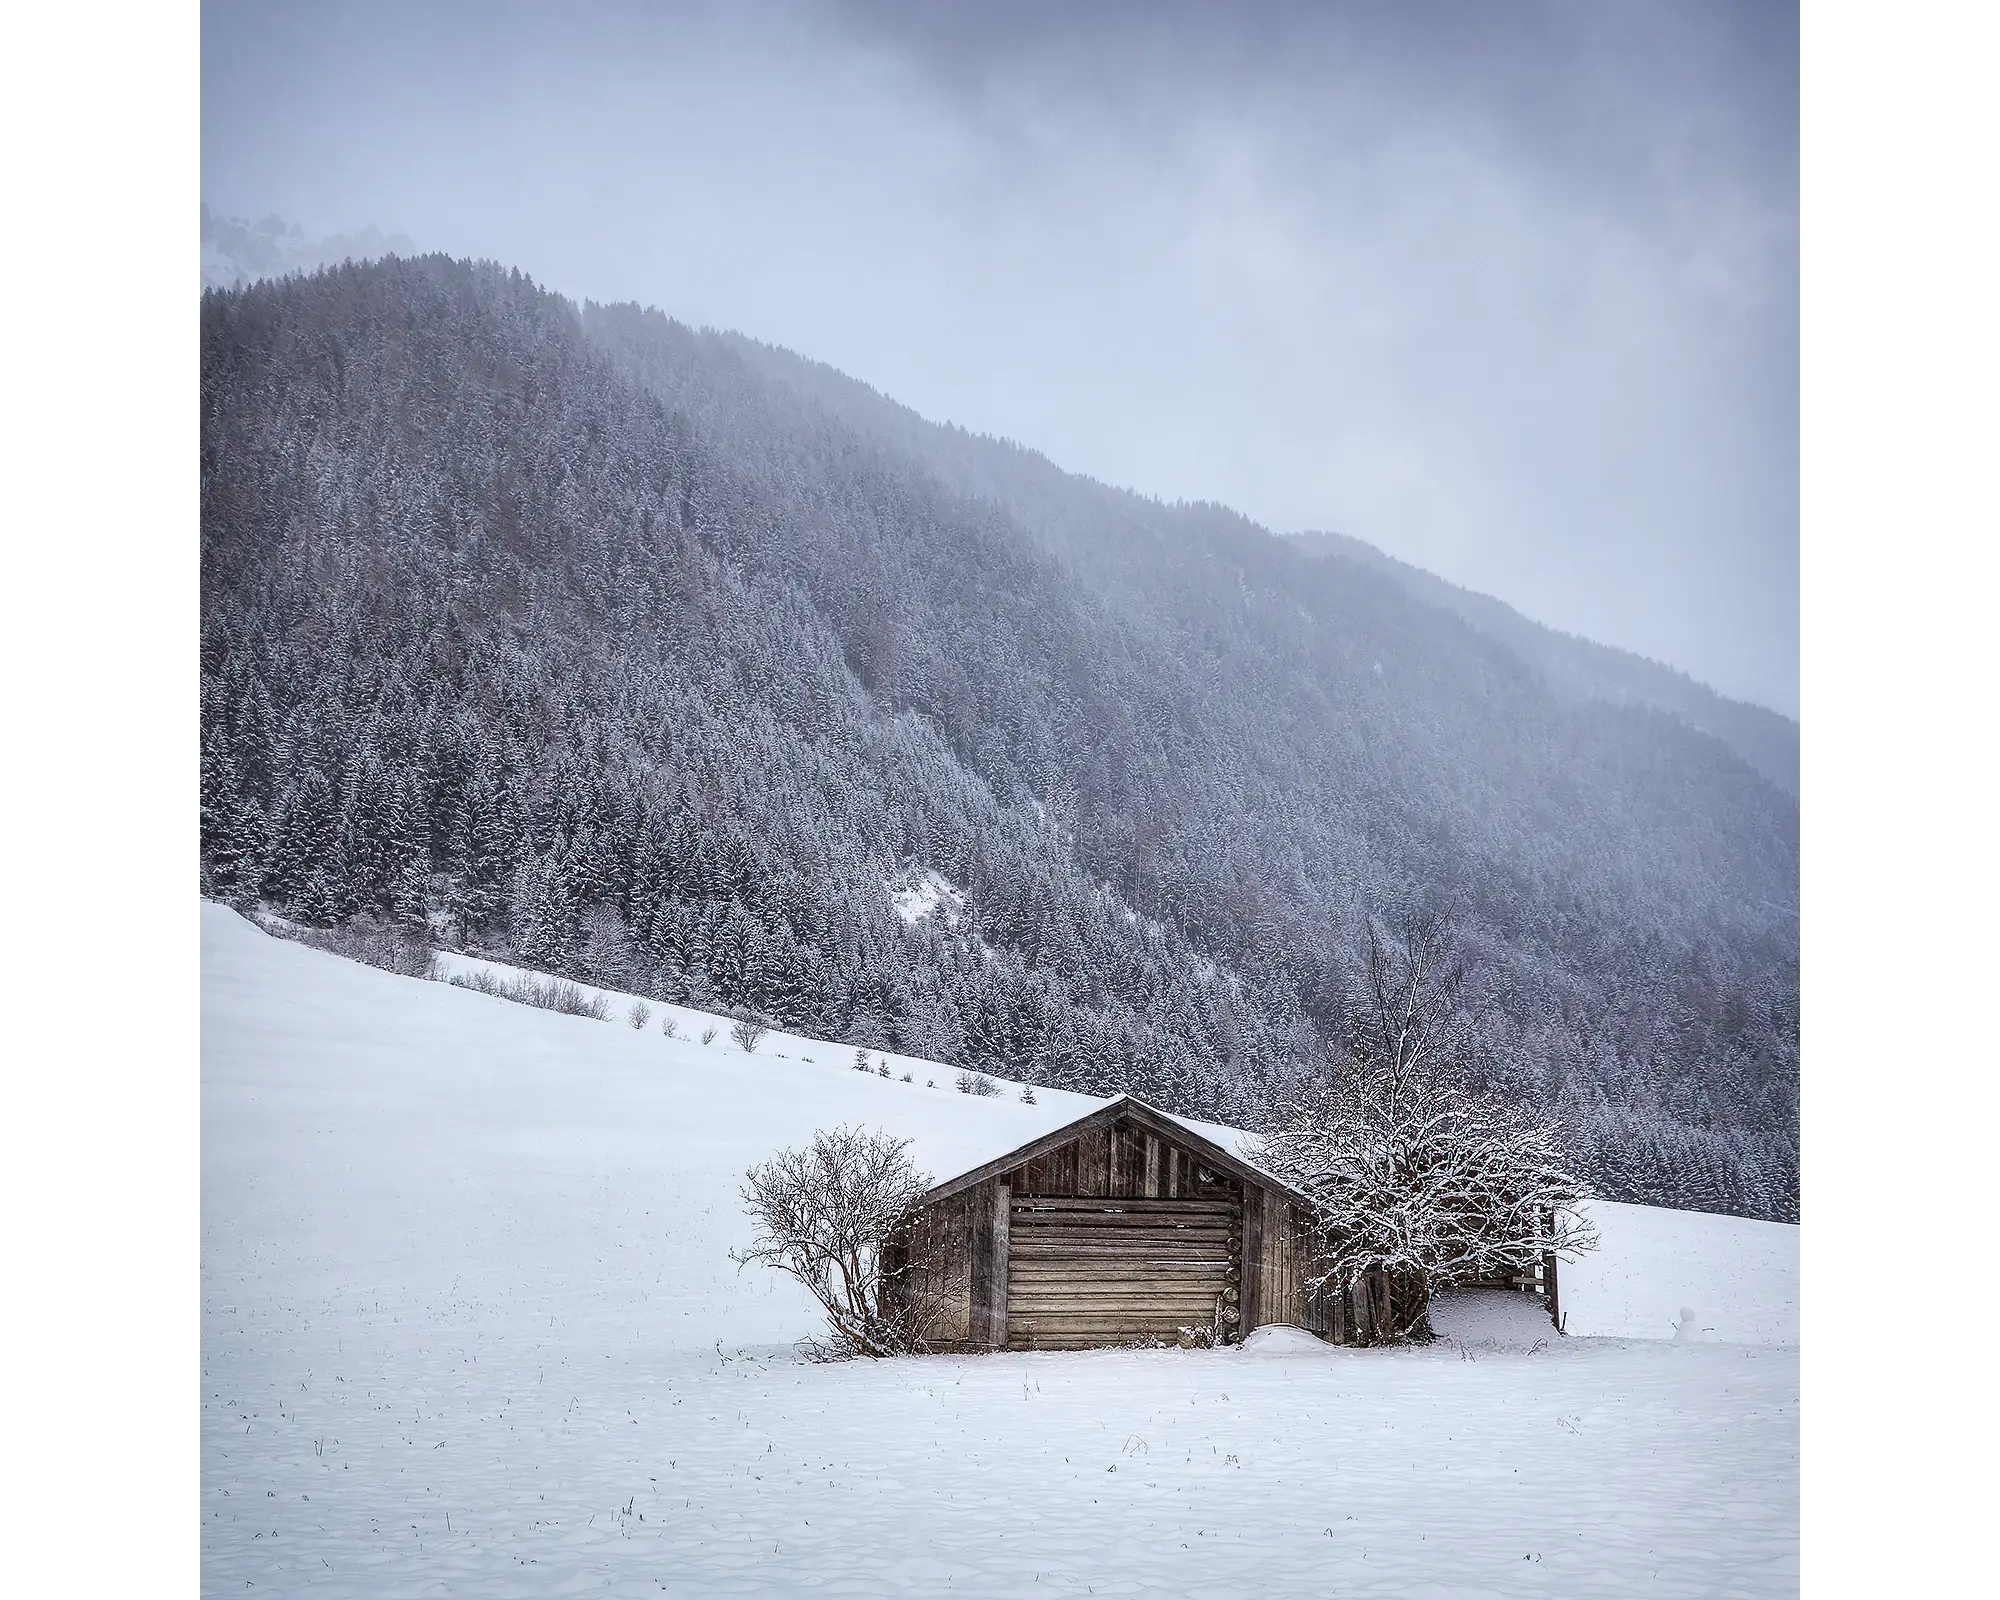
pixel 469 1326
pixel 1685 1275
pixel 544 1106
pixel 417 1132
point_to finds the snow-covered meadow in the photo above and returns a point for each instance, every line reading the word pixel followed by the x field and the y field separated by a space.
pixel 470 1327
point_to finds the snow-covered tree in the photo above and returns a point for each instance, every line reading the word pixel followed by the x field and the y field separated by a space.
pixel 1413 1169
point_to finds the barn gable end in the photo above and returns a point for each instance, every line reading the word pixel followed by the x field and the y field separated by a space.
pixel 1123 1227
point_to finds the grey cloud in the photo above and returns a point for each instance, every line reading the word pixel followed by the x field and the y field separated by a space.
pixel 1511 292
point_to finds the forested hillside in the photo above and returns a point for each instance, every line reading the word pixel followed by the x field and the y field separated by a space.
pixel 674 662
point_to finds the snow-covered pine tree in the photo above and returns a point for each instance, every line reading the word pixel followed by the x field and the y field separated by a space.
pixel 302 870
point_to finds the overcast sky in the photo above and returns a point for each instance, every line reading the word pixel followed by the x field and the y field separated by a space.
pixel 1510 291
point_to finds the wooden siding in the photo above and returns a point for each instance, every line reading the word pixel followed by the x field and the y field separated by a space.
pixel 1277 1269
pixel 1087 1271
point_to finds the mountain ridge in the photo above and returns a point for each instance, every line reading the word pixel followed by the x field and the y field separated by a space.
pixel 579 634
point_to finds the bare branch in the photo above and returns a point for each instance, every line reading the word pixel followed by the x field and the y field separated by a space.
pixel 836 1216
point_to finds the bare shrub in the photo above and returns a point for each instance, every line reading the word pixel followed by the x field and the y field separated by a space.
pixel 836 1216
pixel 976 1083
pixel 550 994
pixel 669 1027
pixel 640 1014
pixel 374 944
pixel 748 1032
pixel 708 1034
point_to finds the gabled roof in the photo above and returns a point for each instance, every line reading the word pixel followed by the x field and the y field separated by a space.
pixel 1124 1109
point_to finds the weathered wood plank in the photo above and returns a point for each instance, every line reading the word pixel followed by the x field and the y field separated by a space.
pixel 1124 1213
pixel 1047 1293
pixel 1122 1269
pixel 989 1253
pixel 1189 1265
pixel 979 1266
pixel 1079 1318
pixel 1035 1232
pixel 1132 1158
pixel 1145 1241
pixel 1161 1204
pixel 1039 1276
pixel 1110 1320
pixel 1253 1258
pixel 1093 1150
pixel 1125 1241
pixel 1108 1330
pixel 1130 1247
pixel 1002 1255
pixel 1116 1224
pixel 1112 1221
pixel 1019 1289
pixel 1203 1242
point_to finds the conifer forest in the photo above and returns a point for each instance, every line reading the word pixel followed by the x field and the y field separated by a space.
pixel 666 660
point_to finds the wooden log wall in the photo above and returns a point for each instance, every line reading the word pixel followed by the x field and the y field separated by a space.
pixel 1052 1262
pixel 1086 1271
pixel 1122 1235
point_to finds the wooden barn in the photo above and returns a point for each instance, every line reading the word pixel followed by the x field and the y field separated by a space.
pixel 1126 1226
pixel 1123 1227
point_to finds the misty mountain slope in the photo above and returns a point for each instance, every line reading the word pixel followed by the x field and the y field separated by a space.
pixel 585 638
pixel 1243 615
pixel 1071 514
pixel 1583 669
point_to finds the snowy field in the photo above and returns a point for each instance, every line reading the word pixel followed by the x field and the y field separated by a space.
pixel 469 1327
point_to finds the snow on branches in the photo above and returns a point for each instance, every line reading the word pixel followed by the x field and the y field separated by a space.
pixel 826 1216
pixel 1413 1170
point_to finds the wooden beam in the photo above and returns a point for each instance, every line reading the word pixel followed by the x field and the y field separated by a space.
pixel 988 1220
pixel 1001 1214
pixel 1251 1259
